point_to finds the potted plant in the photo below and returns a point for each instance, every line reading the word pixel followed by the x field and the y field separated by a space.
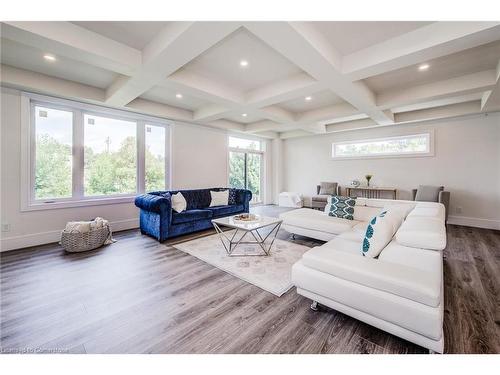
pixel 368 178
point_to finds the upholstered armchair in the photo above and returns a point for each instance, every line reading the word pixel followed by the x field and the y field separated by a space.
pixel 323 191
pixel 427 193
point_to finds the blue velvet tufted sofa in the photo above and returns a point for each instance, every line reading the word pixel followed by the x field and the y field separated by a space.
pixel 158 220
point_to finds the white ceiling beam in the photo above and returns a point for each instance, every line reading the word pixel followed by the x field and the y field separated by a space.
pixel 267 125
pixel 305 47
pixel 448 111
pixel 467 84
pixel 491 99
pixel 160 110
pixel 438 102
pixel 39 83
pixel 423 44
pixel 176 45
pixel 227 125
pixel 294 134
pixel 445 112
pixel 43 84
pixel 76 43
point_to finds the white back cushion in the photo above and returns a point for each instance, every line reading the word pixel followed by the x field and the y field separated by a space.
pixel 365 213
pixel 179 203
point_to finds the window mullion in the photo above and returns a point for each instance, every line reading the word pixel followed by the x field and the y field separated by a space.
pixel 78 155
pixel 141 157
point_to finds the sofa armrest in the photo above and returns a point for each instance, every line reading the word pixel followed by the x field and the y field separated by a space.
pixel 318 189
pixel 154 203
pixel 444 198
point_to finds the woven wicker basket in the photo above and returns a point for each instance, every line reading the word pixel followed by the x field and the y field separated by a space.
pixel 74 242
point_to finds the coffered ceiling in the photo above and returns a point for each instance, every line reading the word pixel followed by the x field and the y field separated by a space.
pixel 273 79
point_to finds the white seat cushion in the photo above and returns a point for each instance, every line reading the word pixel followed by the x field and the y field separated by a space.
pixel 346 245
pixel 317 220
pixel 422 232
pixel 404 281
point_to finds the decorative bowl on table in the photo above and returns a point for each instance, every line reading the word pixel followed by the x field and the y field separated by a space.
pixel 246 218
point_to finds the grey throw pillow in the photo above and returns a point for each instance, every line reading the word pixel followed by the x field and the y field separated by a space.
pixel 327 188
pixel 427 193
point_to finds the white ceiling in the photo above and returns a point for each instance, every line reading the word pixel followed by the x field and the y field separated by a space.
pixel 472 60
pixel 352 36
pixel 318 100
pixel 352 70
pixel 221 63
pixel 167 96
pixel 30 58
pixel 135 34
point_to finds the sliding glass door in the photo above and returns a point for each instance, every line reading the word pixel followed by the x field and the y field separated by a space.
pixel 245 170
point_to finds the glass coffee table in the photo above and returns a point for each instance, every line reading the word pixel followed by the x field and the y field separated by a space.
pixel 244 229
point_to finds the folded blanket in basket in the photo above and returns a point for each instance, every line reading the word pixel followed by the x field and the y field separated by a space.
pixel 78 226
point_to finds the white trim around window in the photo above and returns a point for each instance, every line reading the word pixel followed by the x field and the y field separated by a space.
pixel 428 147
pixel 78 198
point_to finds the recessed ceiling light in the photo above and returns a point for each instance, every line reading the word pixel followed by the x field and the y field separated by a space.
pixel 308 98
pixel 178 96
pixel 244 114
pixel 49 57
pixel 243 63
pixel 423 67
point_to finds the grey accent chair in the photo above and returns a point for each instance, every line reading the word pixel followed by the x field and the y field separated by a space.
pixel 323 191
pixel 427 193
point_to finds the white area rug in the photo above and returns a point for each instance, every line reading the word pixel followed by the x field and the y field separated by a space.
pixel 271 273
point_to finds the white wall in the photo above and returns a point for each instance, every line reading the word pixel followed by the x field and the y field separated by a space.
pixel 466 162
pixel 199 159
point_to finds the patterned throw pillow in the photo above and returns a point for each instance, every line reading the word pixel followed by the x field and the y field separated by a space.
pixel 232 197
pixel 342 207
pixel 379 233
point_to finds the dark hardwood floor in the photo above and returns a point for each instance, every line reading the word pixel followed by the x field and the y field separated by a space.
pixel 140 296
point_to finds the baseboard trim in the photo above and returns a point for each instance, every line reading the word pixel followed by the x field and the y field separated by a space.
pixel 42 238
pixel 474 222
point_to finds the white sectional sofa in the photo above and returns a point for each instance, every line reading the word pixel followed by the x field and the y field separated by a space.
pixel 400 291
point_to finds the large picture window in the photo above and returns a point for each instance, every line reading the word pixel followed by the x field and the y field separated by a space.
pixel 246 158
pixel 110 154
pixel 83 154
pixel 407 145
pixel 53 146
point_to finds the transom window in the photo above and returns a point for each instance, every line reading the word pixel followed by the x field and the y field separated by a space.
pixel 407 145
pixel 81 154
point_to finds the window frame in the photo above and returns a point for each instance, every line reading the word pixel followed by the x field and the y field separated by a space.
pixel 249 151
pixel 28 152
pixel 429 152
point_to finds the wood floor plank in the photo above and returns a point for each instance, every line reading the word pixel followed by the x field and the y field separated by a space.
pixel 141 296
